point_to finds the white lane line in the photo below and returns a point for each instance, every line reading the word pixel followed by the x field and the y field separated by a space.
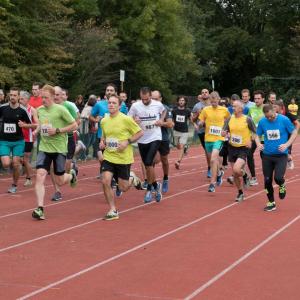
pixel 240 260
pixel 113 258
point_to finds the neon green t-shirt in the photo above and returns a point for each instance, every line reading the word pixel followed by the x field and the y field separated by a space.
pixel 117 129
pixel 55 116
pixel 256 113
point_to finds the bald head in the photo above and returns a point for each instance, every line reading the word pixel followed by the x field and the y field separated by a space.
pixel 58 99
pixel 156 95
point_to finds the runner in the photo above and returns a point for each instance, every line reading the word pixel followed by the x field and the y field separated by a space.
pixel 150 115
pixel 98 112
pixel 293 107
pixel 118 133
pixel 279 105
pixel 54 123
pixel 246 98
pixel 214 117
pixel 203 99
pixel 27 133
pixel 35 100
pixel 164 148
pixel 275 128
pixel 181 116
pixel 14 118
pixel 239 128
pixel 59 99
pixel 255 113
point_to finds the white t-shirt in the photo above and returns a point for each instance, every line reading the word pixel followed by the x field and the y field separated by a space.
pixel 148 115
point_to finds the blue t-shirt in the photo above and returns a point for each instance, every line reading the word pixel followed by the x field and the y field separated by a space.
pixel 245 110
pixel 101 108
pixel 275 133
pixel 164 130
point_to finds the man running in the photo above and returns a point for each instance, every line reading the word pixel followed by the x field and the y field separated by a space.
pixel 54 123
pixel 255 113
pixel 118 133
pixel 27 133
pixel 164 148
pixel 246 98
pixel 275 128
pixel 240 128
pixel 214 117
pixel 14 117
pixel 203 101
pixel 181 116
pixel 150 115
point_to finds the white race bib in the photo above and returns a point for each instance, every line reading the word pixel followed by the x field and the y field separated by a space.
pixel 273 135
pixel 44 129
pixel 10 128
pixel 112 144
pixel 180 119
pixel 148 125
pixel 215 130
pixel 236 139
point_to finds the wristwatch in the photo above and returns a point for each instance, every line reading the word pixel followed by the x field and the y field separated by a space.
pixel 129 141
pixel 57 130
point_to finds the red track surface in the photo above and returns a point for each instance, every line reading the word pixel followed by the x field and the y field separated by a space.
pixel 192 245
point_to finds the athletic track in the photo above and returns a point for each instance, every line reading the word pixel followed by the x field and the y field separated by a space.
pixel 192 245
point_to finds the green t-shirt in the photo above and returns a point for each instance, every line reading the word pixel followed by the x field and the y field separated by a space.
pixel 256 113
pixel 116 129
pixel 55 116
pixel 71 110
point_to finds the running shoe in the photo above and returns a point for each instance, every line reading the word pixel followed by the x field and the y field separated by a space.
pixel 239 197
pixel 253 181
pixel 270 206
pixel 148 197
pixel 75 167
pixel 136 181
pixel 290 164
pixel 230 180
pixel 56 196
pixel 118 192
pixel 73 181
pixel 28 182
pixel 157 193
pixel 165 186
pixel 111 215
pixel 282 191
pixel 144 185
pixel 220 178
pixel 208 173
pixel 38 214
pixel 113 183
pixel 12 189
pixel 211 188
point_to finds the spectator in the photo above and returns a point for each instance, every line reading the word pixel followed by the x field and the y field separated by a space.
pixel 79 103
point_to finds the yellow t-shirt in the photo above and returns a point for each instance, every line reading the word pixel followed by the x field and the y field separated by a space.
pixel 293 109
pixel 240 134
pixel 117 129
pixel 214 119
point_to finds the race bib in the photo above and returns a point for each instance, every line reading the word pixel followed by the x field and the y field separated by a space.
pixel 112 144
pixel 10 128
pixel 148 125
pixel 44 129
pixel 273 135
pixel 215 130
pixel 236 139
pixel 180 119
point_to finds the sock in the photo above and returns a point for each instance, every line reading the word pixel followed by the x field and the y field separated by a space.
pixel 241 192
pixel 29 178
pixel 154 185
pixel 166 177
pixel 41 208
pixel 149 187
pixel 14 185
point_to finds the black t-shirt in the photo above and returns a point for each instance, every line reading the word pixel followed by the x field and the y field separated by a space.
pixel 9 118
pixel 181 118
pixel 291 117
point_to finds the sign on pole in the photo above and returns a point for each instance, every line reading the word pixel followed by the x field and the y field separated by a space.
pixel 213 84
pixel 122 75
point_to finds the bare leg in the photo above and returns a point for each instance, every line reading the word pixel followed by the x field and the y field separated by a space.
pixel 107 189
pixel 40 186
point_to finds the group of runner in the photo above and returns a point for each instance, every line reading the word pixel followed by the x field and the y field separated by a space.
pixel 236 130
